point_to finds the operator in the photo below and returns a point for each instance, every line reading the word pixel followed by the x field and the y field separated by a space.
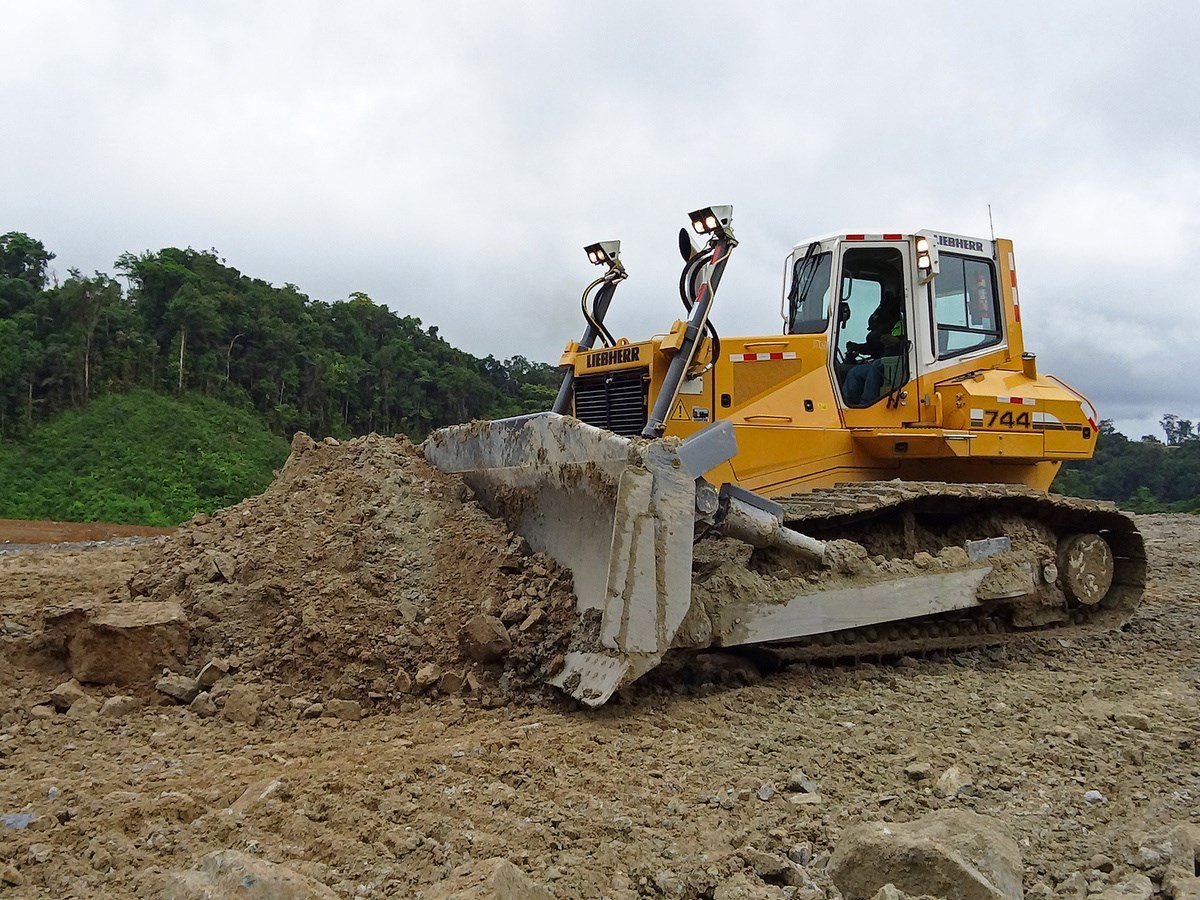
pixel 981 305
pixel 885 337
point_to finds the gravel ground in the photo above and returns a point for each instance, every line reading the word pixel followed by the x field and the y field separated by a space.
pixel 1085 749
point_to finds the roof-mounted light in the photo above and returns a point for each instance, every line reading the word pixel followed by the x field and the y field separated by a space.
pixel 712 218
pixel 928 264
pixel 604 253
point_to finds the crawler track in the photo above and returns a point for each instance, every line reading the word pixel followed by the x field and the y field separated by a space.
pixel 914 513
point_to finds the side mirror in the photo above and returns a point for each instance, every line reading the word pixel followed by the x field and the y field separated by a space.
pixel 686 248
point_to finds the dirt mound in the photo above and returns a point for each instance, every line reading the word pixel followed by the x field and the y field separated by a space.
pixel 355 573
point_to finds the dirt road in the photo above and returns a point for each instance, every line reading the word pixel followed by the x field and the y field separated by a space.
pixel 1086 749
pixel 25 531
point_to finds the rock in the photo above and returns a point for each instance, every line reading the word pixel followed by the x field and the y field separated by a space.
pixel 514 611
pixel 225 565
pixel 84 708
pixel 797 781
pixel 891 892
pixel 805 800
pixel 771 868
pixel 1148 857
pixel 485 639
pixel 489 879
pixel 41 711
pixel 301 443
pixel 229 873
pixel 403 682
pixel 1074 886
pixel 118 706
pixel 742 886
pixel 40 853
pixel 1132 887
pixel 535 615
pixel 183 688
pixel 918 771
pixel 126 643
pixel 346 710
pixel 668 883
pixel 203 705
pixel 450 683
pixel 1182 878
pixel 766 792
pixel 66 694
pixel 953 853
pixel 1133 720
pixel 241 705
pixel 314 711
pixel 1094 797
pixel 952 782
pixel 800 854
pixel 427 676
pixel 214 670
pixel 9 875
pixel 256 794
pixel 1102 863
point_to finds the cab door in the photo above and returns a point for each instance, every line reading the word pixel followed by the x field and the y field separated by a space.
pixel 872 362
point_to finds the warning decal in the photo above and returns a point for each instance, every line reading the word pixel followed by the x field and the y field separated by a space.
pixel 680 413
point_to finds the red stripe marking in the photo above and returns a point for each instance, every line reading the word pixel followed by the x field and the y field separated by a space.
pixel 1012 277
pixel 1017 313
pixel 892 237
pixel 856 237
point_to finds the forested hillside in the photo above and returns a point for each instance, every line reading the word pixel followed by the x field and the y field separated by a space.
pixel 189 322
pixel 138 458
pixel 1148 475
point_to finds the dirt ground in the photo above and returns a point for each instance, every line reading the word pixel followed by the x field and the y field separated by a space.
pixel 666 793
pixel 24 531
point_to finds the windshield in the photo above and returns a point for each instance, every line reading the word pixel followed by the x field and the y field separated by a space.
pixel 808 298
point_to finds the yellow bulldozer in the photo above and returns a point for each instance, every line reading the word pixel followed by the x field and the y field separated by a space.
pixel 871 480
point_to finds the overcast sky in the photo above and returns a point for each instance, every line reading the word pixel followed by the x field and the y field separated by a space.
pixel 452 159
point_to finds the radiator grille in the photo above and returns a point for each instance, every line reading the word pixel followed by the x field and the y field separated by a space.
pixel 615 401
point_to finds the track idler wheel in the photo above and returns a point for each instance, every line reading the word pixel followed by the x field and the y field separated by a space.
pixel 1085 566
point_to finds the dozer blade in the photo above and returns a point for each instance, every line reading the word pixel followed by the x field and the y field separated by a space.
pixel 618 512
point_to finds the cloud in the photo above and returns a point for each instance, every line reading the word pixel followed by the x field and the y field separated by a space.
pixel 453 160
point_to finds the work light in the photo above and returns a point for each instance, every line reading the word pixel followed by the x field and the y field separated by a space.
pixel 604 253
pixel 711 218
pixel 928 264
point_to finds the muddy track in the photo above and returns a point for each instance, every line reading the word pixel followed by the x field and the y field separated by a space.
pixel 851 510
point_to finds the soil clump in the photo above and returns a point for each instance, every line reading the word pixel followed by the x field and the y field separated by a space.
pixel 358 568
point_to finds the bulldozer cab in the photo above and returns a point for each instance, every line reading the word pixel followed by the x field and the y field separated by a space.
pixel 859 293
pixel 898 311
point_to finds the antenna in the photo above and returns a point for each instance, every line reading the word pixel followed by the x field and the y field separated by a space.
pixel 991 224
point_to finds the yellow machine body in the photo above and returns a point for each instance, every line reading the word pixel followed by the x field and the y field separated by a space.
pixel 981 416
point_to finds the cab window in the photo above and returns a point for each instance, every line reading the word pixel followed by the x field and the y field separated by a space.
pixel 871 349
pixel 966 305
pixel 808 297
